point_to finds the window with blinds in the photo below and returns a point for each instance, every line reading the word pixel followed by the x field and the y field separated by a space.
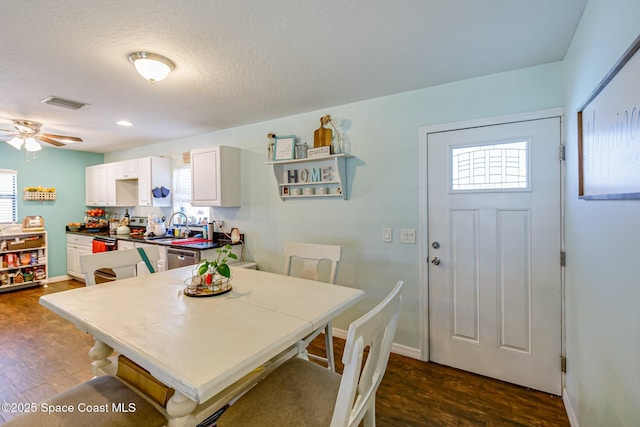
pixel 8 196
pixel 182 197
pixel 181 188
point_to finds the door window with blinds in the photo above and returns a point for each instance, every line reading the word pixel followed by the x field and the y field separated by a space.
pixel 8 196
pixel 182 198
pixel 500 166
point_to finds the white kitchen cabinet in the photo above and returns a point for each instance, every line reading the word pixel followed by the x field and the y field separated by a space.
pixel 129 244
pixel 126 169
pixel 128 182
pixel 23 260
pixel 215 176
pixel 110 184
pixel 96 185
pixel 153 172
pixel 100 185
pixel 77 246
pixel 314 177
pixel 125 244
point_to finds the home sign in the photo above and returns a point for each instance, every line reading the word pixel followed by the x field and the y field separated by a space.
pixel 319 174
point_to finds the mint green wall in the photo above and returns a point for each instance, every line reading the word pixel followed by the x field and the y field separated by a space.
pixel 603 242
pixel 59 168
pixel 384 136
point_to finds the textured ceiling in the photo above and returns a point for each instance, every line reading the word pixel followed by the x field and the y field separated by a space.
pixel 241 61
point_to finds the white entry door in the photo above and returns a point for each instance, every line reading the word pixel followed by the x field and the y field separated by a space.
pixel 494 251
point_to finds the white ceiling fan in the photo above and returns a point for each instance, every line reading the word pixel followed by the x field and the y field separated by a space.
pixel 28 132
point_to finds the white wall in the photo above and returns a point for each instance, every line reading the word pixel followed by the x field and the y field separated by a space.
pixel 603 243
pixel 384 179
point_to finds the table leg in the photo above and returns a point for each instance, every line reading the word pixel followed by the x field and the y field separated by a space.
pixel 301 349
pixel 180 410
pixel 99 353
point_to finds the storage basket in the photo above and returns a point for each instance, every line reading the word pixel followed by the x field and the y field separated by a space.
pixel 39 195
pixel 25 243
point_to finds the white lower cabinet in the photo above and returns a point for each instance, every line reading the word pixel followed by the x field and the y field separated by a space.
pixel 77 246
pixel 125 244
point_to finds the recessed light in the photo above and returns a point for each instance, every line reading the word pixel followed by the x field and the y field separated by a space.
pixel 126 123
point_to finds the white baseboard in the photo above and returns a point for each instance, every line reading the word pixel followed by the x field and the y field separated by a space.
pixel 573 420
pixel 400 349
pixel 61 278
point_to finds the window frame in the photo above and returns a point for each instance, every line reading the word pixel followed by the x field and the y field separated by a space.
pixel 7 174
pixel 450 165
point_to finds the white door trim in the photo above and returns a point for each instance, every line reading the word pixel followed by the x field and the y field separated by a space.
pixel 423 225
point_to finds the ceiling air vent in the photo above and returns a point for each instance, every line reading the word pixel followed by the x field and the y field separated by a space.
pixel 64 103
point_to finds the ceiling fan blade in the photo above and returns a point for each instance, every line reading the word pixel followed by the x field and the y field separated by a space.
pixel 50 141
pixel 8 131
pixel 70 139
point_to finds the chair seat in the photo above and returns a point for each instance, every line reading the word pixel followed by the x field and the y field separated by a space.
pixel 104 392
pixel 299 393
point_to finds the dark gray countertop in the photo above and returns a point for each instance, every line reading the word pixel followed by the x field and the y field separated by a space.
pixel 167 241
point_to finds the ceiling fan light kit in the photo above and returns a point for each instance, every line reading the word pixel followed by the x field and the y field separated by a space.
pixel 30 144
pixel 16 142
pixel 27 133
pixel 151 66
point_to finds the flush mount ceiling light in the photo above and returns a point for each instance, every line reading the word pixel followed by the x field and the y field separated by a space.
pixel 151 66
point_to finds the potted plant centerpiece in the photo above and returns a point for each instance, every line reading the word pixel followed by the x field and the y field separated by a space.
pixel 212 277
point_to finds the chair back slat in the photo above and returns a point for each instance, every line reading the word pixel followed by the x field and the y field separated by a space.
pixel 374 330
pixel 312 254
pixel 125 263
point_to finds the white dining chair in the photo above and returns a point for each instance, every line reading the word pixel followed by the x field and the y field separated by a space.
pixel 300 392
pixel 124 263
pixel 311 256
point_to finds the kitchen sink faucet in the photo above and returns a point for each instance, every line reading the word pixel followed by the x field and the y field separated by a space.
pixel 186 222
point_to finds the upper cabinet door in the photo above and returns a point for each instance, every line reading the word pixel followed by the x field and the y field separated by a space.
pixel 215 176
pixel 153 173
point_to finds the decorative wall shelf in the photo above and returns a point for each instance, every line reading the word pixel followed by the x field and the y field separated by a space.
pixel 316 177
pixel 39 196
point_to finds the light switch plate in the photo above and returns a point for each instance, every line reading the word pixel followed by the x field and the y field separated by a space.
pixel 387 235
pixel 407 235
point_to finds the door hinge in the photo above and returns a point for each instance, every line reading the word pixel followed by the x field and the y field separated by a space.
pixel 563 364
pixel 562 152
pixel 563 259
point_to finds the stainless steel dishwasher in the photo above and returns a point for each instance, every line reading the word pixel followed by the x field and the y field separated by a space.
pixel 182 257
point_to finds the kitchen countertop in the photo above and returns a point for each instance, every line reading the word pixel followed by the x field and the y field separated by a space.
pixel 168 241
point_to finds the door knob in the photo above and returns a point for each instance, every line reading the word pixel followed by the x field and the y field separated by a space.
pixel 435 260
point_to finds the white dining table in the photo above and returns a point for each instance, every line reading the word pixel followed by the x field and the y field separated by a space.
pixel 199 346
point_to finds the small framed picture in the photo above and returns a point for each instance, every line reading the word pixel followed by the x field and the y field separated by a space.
pixel 284 147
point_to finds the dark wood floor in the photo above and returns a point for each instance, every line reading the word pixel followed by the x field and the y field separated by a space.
pixel 42 354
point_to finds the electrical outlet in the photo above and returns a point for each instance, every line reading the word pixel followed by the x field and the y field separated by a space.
pixel 218 224
pixel 387 235
pixel 407 235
